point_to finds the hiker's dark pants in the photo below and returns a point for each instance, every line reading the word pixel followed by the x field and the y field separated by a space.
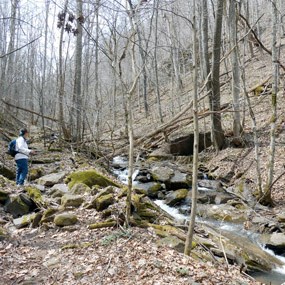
pixel 22 171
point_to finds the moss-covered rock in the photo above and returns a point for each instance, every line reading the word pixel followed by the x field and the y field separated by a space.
pixel 79 189
pixel 24 221
pixel 48 215
pixel 103 202
pixel 35 194
pixel 65 219
pixel 106 224
pixel 154 190
pixel 176 197
pixel 69 200
pixel 89 177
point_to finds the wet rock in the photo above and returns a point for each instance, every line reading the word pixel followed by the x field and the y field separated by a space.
pixel 176 197
pixel 275 242
pixel 222 212
pixel 180 180
pixel 69 200
pixel 65 219
pixel 52 179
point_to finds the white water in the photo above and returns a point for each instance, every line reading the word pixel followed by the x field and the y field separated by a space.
pixel 171 211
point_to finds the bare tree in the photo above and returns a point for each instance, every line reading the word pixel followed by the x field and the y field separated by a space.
pixel 266 198
pixel 189 238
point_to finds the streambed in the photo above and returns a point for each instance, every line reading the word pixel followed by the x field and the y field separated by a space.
pixel 274 277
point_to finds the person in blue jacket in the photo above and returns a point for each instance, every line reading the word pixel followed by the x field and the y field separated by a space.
pixel 22 157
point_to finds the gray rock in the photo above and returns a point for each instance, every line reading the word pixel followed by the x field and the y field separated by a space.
pixel 69 200
pixel 52 179
pixel 281 217
pixel 162 173
pixel 180 180
pixel 24 221
pixel 19 205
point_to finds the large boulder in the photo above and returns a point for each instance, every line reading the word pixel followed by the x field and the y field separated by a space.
pixel 183 145
pixel 19 205
pixel 89 177
pixel 52 179
pixel 162 173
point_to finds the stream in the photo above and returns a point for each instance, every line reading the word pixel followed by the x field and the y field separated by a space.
pixel 274 277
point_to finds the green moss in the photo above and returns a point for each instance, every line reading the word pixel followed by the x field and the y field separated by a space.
pixel 107 224
pixel 35 194
pixel 90 178
pixel 48 215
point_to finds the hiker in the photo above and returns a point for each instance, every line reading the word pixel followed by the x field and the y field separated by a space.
pixel 22 156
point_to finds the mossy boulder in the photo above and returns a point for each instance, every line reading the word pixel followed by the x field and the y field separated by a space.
pixel 79 189
pixel 103 202
pixel 65 219
pixel 89 177
pixel 35 194
pixel 162 173
pixel 4 196
pixel 48 215
pixel 176 197
pixel 73 201
pixel 153 191
pixel 3 180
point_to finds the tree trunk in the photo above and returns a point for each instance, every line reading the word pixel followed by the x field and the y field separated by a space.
pixel 235 67
pixel 189 238
pixel 266 198
pixel 77 100
pixel 217 131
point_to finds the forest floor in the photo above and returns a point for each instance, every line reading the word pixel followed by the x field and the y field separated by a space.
pixel 78 255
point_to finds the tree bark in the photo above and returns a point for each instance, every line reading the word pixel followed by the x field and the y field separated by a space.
pixel 218 138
